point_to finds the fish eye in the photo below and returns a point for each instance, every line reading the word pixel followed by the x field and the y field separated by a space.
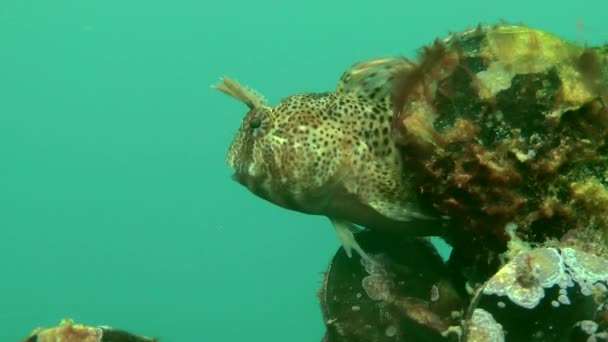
pixel 255 123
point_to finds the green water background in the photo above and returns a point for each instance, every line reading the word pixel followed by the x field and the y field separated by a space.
pixel 116 206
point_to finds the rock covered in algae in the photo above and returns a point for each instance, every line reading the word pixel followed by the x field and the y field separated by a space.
pixel 68 331
pixel 406 294
pixel 507 124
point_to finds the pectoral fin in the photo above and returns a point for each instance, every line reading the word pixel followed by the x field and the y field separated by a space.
pixel 345 231
pixel 403 212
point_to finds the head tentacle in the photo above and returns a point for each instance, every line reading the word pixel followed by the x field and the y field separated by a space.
pixel 248 96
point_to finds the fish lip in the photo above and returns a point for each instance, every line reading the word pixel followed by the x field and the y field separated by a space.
pixel 239 178
pixel 235 177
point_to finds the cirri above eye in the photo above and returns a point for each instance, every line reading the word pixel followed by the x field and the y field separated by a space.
pixel 255 123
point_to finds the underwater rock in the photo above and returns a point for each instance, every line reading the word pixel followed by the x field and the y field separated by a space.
pixel 67 331
pixel 542 294
pixel 508 124
pixel 405 294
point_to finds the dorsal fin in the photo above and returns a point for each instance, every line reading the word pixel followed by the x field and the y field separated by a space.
pixel 373 78
pixel 246 95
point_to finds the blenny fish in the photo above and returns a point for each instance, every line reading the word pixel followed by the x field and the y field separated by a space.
pixel 332 154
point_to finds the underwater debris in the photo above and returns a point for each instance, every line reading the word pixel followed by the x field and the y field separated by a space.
pixel 68 331
pixel 388 300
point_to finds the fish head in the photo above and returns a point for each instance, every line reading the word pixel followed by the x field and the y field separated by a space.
pixel 288 153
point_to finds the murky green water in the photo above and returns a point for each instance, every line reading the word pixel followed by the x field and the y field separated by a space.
pixel 116 206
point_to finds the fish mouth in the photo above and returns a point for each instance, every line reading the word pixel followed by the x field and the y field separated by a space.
pixel 239 177
pixel 257 185
pixel 238 167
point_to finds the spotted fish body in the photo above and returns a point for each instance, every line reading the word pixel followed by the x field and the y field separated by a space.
pixel 332 154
